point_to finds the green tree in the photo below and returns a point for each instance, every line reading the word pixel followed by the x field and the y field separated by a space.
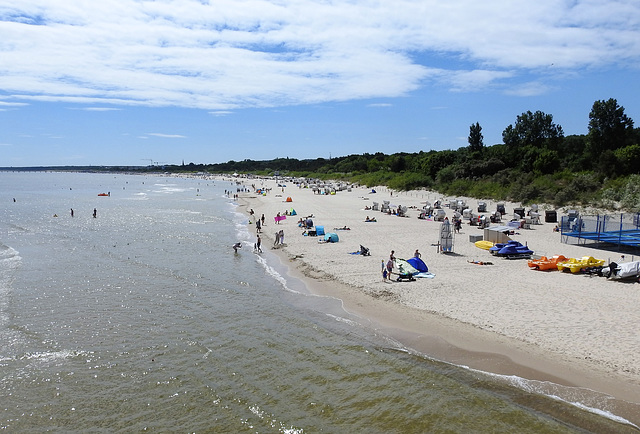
pixel 628 158
pixel 609 128
pixel 475 138
pixel 533 129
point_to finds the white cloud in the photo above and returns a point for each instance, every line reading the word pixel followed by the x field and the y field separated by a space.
pixel 533 88
pixel 228 54
pixel 12 104
pixel 167 136
pixel 221 113
pixel 100 109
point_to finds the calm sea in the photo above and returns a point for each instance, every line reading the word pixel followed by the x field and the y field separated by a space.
pixel 143 318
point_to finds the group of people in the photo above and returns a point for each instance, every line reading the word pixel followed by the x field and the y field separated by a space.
pixel 279 238
pixel 387 268
pixel 257 246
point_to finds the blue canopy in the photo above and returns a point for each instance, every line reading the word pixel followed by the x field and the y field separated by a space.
pixel 418 264
pixel 331 237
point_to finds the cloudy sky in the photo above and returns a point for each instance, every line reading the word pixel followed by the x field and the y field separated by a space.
pixel 129 82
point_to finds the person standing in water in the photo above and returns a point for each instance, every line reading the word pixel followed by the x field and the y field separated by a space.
pixel 95 213
pixel 71 212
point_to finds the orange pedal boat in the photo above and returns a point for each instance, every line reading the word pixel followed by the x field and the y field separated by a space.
pixel 545 263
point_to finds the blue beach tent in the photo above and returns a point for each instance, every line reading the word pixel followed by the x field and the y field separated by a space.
pixel 418 264
pixel 331 237
pixel 319 230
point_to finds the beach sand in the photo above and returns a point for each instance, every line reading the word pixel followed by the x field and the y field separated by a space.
pixel 569 329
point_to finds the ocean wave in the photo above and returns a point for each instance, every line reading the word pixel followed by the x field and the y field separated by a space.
pixel 10 260
pixel 582 398
pixel 274 274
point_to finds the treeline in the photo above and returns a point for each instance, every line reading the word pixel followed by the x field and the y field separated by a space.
pixel 535 163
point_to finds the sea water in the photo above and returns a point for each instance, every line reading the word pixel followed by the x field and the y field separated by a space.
pixel 143 318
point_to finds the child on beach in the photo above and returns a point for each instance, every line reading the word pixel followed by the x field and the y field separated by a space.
pixel 384 272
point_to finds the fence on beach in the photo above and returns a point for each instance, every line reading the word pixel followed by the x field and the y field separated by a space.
pixel 620 231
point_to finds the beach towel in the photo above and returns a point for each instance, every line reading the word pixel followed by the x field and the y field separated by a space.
pixel 280 217
pixel 426 275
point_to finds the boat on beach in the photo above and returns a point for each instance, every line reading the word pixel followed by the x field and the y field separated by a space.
pixel 586 263
pixel 484 244
pixel 511 250
pixel 545 263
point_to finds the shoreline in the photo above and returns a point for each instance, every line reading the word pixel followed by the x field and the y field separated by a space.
pixel 465 345
pixel 433 332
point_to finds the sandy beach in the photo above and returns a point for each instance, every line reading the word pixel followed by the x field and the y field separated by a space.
pixel 570 329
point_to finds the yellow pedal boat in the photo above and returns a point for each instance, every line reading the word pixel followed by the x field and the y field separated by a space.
pixel 585 263
pixel 486 245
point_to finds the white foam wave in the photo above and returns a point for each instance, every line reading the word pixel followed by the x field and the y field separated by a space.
pixel 274 274
pixel 582 398
pixel 8 253
pixel 10 260
pixel 273 423
pixel 44 357
pixel 138 196
pixel 170 190
pixel 599 412
pixel 343 320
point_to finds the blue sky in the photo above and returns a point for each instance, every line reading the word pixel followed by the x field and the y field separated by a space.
pixel 127 82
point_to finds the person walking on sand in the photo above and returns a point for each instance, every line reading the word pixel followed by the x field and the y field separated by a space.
pixel 262 218
pixel 384 272
pixel 389 268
